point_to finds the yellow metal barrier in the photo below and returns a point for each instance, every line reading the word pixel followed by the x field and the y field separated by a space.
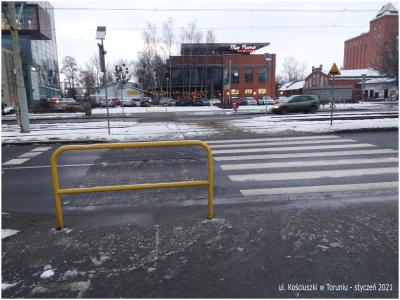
pixel 58 191
pixel 158 105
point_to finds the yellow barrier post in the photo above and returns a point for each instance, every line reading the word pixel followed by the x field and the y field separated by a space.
pixel 58 191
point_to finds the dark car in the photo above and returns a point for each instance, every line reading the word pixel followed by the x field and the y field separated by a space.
pixel 238 101
pixel 144 102
pixel 297 103
pixel 198 102
pixel 182 102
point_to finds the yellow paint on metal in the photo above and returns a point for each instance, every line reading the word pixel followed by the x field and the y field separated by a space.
pixel 58 191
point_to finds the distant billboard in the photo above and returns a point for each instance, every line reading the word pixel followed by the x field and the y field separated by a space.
pixel 227 75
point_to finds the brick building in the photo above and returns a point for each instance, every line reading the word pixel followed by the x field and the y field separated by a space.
pixel 199 71
pixel 365 50
pixel 347 85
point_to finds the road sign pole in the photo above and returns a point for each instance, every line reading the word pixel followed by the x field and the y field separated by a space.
pixel 333 90
pixel 105 86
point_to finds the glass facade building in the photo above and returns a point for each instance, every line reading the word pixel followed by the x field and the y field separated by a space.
pixel 37 35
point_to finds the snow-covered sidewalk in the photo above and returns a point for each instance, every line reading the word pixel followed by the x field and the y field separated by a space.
pixel 98 131
pixel 269 124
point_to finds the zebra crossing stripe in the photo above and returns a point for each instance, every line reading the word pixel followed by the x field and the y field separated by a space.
pixel 321 189
pixel 272 149
pixel 308 163
pixel 313 174
pixel 275 139
pixel 299 155
pixel 282 143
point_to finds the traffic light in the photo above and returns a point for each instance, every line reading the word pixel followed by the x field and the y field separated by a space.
pixel 101 56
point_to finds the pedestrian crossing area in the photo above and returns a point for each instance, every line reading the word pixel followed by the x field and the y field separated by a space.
pixel 26 156
pixel 312 164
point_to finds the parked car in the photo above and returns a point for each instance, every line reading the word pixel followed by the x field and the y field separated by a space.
pixel 280 99
pixel 206 101
pixel 116 101
pixel 54 100
pixel 182 102
pixel 144 101
pixel 198 101
pixel 304 103
pixel 266 100
pixel 251 101
pixel 65 100
pixel 238 101
pixel 215 101
pixel 127 101
pixel 167 101
pixel 108 102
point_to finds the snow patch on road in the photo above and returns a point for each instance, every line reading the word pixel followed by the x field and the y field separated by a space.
pixel 8 232
pixel 47 274
pixel 5 286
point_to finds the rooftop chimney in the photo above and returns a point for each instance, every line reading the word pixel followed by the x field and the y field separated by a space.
pixel 320 66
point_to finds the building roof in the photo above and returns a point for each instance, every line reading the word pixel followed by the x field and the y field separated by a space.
pixel 292 86
pixel 387 10
pixel 378 80
pixel 356 73
pixel 115 83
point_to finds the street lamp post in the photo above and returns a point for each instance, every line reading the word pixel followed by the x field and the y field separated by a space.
pixel 101 35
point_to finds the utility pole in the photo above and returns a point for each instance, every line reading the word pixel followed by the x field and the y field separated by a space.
pixel 22 105
pixel 363 87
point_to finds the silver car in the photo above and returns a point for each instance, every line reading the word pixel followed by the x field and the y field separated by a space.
pixel 251 101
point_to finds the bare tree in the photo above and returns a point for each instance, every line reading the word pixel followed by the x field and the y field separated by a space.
pixel 69 67
pixel 94 63
pixel 279 81
pixel 292 70
pixel 87 78
pixel 210 39
pixel 168 41
pixel 191 35
pixel 389 54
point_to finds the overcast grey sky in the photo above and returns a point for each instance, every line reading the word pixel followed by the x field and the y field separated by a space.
pixel 76 29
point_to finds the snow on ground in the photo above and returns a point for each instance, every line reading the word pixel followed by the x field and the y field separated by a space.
pixel 8 232
pixel 47 274
pixel 267 124
pixel 8 109
pixel 98 131
pixel 129 110
pixel 5 286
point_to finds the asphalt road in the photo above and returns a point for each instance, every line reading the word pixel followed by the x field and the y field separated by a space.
pixel 312 209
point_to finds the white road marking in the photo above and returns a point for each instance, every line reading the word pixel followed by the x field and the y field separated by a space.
pixel 272 149
pixel 309 163
pixel 313 174
pixel 274 139
pixel 282 143
pixel 321 189
pixel 16 161
pixel 30 154
pixel 314 154
pixel 40 167
pixel 41 148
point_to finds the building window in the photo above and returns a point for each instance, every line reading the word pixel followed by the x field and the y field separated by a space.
pixel 380 26
pixel 373 52
pixel 373 60
pixel 262 92
pixel 377 59
pixel 261 75
pixel 379 35
pixel 248 92
pixel 373 45
pixel 374 28
pixel 374 37
pixel 235 76
pixel 234 92
pixel 248 76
